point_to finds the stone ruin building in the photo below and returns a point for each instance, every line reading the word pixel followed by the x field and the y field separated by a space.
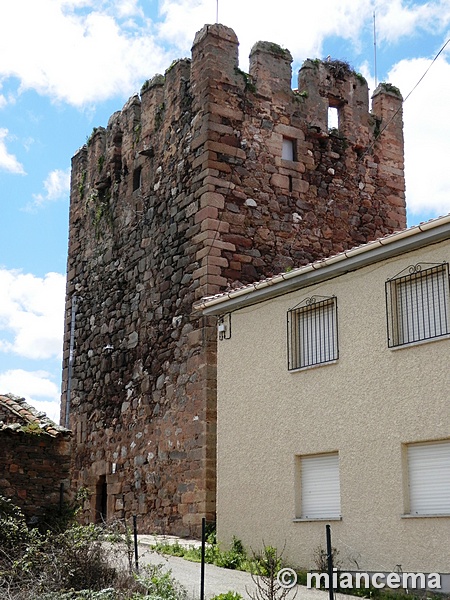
pixel 211 176
pixel 35 459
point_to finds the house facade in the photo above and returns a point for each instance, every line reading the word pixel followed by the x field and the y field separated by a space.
pixel 333 406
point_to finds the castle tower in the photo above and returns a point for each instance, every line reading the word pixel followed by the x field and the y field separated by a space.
pixel 210 176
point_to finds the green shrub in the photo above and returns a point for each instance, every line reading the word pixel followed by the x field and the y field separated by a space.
pixel 159 585
pixel 235 558
pixel 13 528
pixel 228 596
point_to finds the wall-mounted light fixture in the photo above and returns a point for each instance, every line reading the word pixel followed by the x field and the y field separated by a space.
pixel 224 327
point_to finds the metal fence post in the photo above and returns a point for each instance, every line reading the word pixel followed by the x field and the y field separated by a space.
pixel 202 569
pixel 136 556
pixel 329 563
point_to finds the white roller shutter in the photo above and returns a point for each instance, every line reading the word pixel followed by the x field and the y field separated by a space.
pixel 429 478
pixel 320 486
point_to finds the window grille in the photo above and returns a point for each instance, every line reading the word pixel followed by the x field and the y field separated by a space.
pixel 417 302
pixel 312 332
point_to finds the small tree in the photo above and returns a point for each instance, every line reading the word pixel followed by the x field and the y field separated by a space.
pixel 265 568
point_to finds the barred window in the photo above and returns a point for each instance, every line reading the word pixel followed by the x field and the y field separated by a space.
pixel 312 332
pixel 417 301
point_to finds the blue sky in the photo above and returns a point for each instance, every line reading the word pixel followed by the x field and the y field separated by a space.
pixel 67 65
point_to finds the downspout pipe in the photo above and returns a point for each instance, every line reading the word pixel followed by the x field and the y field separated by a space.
pixel 71 352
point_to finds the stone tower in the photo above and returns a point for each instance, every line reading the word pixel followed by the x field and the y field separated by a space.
pixel 211 176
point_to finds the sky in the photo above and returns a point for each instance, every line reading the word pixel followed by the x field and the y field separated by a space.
pixel 67 65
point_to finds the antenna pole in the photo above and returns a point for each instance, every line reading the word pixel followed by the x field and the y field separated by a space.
pixel 217 11
pixel 374 48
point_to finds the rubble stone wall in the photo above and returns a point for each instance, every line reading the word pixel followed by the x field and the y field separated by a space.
pixel 32 468
pixel 185 192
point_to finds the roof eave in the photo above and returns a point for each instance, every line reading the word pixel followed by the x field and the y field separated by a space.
pixel 399 243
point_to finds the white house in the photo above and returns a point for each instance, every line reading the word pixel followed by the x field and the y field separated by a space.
pixel 334 406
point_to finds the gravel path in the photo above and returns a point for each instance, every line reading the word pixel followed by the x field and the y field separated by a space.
pixel 217 580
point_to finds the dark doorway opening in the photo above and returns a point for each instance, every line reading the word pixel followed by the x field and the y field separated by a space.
pixel 101 509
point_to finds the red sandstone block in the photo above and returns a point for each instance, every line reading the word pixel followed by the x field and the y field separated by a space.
pixel 212 199
pixel 203 236
pixel 280 181
pixel 205 213
pixel 208 251
pixel 289 132
pixel 396 200
pixel 300 185
pixel 396 184
pixel 193 519
pixel 201 159
pixel 215 280
pixel 235 219
pixel 224 149
pixel 217 243
pixel 220 183
pixel 238 240
pixel 215 260
pixel 236 266
pixel 387 169
pixel 225 110
pixel 207 172
pixel 204 188
pixel 183 509
pixel 290 167
pixel 206 271
pixel 219 166
pixel 202 138
pixel 215 225
pixel 219 127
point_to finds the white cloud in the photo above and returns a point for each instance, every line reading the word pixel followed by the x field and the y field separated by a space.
pixel 31 314
pixel 36 387
pixel 8 162
pixel 56 185
pixel 79 56
pixel 303 34
pixel 397 18
pixel 86 51
pixel 127 8
pixel 427 134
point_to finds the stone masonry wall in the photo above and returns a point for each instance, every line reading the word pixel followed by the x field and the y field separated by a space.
pixel 32 469
pixel 184 193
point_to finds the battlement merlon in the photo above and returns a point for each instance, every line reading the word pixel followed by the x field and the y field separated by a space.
pixel 213 72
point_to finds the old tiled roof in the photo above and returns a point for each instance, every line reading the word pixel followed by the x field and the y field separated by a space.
pixel 22 414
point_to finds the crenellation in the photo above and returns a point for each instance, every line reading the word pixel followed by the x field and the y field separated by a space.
pixel 270 71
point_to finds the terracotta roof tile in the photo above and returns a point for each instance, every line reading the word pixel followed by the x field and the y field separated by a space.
pixel 23 413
